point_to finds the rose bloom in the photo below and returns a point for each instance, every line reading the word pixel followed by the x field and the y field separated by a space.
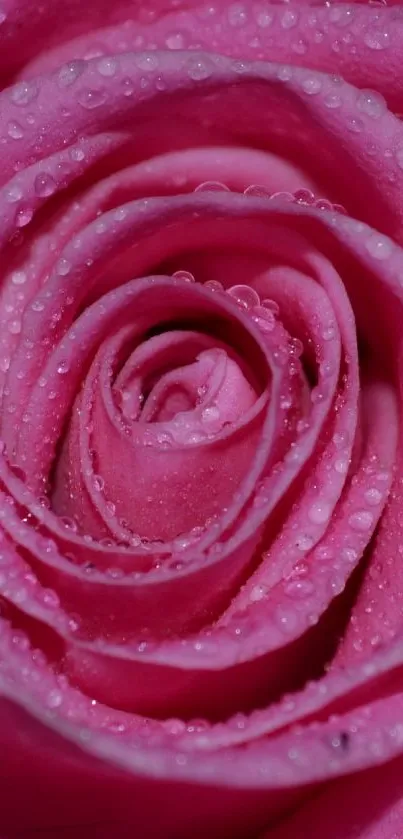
pixel 201 468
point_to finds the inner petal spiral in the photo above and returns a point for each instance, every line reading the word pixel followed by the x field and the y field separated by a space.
pixel 162 432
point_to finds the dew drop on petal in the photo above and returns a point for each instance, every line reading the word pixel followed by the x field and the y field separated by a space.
pixel 237 14
pixel 304 542
pixel 212 186
pixel 23 217
pixel 361 521
pixel 199 69
pixel 289 19
pixel 214 285
pixel 264 18
pixel 44 185
pixel 23 93
pixel 377 39
pixel 13 193
pixel 341 465
pixel 380 247
pixel 63 368
pixel 371 103
pixel 107 66
pixel 186 276
pixel 312 85
pixel 244 295
pixel 257 593
pixel 257 191
pixel 175 41
pixel 77 154
pixel 319 512
pixel 98 483
pixel 54 699
pixel 63 267
pixel 373 496
pixel 92 98
pixel 264 318
pixel 332 101
pixel 147 61
pixel 210 414
pixel 18 277
pixel 299 588
pixel 70 72
pixel 14 130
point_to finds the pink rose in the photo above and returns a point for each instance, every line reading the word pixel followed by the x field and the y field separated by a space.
pixel 201 475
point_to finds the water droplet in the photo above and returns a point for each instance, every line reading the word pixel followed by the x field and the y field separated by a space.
pixel 98 483
pixel 44 185
pixel 214 285
pixel 37 306
pixel 70 72
pixel 332 100
pixel 18 277
pixel 287 620
pixel 264 318
pixel 289 19
pixel 299 588
pixel 257 593
pixel 147 61
pixel 212 186
pixel 210 414
pixel 24 216
pixel 68 523
pixel 14 326
pixel 341 465
pixel 371 103
pixel 244 295
pixel 128 87
pixel 24 92
pixel 199 69
pixel 237 14
pixel 63 367
pixel 300 47
pixel 175 41
pixel 373 496
pixel 319 512
pixel 271 305
pixel 107 66
pixel 264 18
pixel 377 39
pixel 186 276
pixel 13 193
pixel 312 85
pixel 380 247
pixel 257 191
pixel 14 130
pixel 77 154
pixel 63 267
pixel 349 554
pixel 296 347
pixel 92 98
pixel 361 520
pixel 284 73
pixel 304 542
pixel 328 334
pixel 54 699
pixel 50 598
